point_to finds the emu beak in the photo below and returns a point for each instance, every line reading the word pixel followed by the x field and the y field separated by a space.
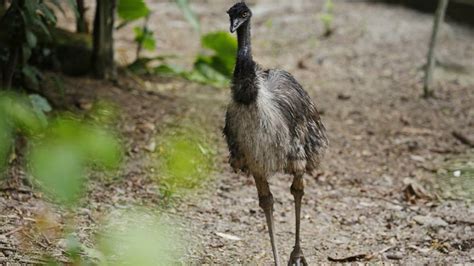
pixel 235 24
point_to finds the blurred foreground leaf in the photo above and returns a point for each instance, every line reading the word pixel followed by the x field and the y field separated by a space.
pixel 59 169
pixel 186 160
pixel 20 113
pixel 139 237
pixel 59 160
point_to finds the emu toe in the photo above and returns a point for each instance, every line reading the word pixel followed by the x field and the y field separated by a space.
pixel 297 258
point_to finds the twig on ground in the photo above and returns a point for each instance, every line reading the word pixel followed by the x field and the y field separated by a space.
pixel 13 231
pixel 360 257
pixel 7 248
pixel 463 139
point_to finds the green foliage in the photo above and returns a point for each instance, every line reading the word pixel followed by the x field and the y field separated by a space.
pixel 130 10
pixel 59 159
pixel 19 114
pixel 139 238
pixel 24 24
pixel 59 169
pixel 189 14
pixel 215 69
pixel 327 17
pixel 185 160
pixel 60 151
pixel 148 66
pixel 144 36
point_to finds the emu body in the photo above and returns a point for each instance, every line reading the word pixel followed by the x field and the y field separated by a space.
pixel 271 126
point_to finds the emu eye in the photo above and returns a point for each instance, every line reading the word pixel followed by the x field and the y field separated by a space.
pixel 245 14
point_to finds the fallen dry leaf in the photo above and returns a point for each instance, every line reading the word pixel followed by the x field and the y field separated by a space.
pixel 229 237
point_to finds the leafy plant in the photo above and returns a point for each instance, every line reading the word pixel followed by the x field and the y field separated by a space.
pixel 185 160
pixel 224 48
pixel 327 17
pixel 215 67
pixel 132 10
pixel 60 150
pixel 23 24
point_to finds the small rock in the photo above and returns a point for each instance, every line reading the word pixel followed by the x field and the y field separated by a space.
pixel 394 256
pixel 430 221
pixel 343 97
pixel 417 158
pixel 229 237
pixel 85 104
pixel 151 147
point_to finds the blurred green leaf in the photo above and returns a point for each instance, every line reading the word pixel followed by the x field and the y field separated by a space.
pixel 40 103
pixel 59 169
pixel 95 144
pixel 225 47
pixel 59 160
pixel 139 238
pixel 40 106
pixel 132 9
pixel 21 114
pixel 101 147
pixel 185 160
pixel 145 38
pixel 31 39
pixel 189 14
pixel 223 43
pixel 167 70
pixel 215 69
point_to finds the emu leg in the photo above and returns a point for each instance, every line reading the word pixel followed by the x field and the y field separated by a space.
pixel 297 189
pixel 265 199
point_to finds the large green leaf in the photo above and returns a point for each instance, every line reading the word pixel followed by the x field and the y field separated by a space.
pixel 189 14
pixel 132 9
pixel 217 68
pixel 223 43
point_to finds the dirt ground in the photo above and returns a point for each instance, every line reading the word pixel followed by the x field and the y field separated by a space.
pixel 386 191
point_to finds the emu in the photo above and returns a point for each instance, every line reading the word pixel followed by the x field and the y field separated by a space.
pixel 271 126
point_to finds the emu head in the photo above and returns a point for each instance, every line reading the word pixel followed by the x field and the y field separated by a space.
pixel 239 14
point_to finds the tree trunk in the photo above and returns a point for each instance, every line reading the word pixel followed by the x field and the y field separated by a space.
pixel 81 22
pixel 12 44
pixel 10 67
pixel 439 18
pixel 103 53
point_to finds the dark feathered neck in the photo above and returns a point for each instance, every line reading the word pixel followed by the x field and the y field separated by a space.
pixel 244 87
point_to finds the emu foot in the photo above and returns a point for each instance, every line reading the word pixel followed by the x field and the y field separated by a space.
pixel 297 258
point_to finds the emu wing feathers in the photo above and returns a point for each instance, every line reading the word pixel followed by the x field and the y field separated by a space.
pixel 306 129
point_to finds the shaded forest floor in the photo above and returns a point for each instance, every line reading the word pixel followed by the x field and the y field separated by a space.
pixel 387 188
